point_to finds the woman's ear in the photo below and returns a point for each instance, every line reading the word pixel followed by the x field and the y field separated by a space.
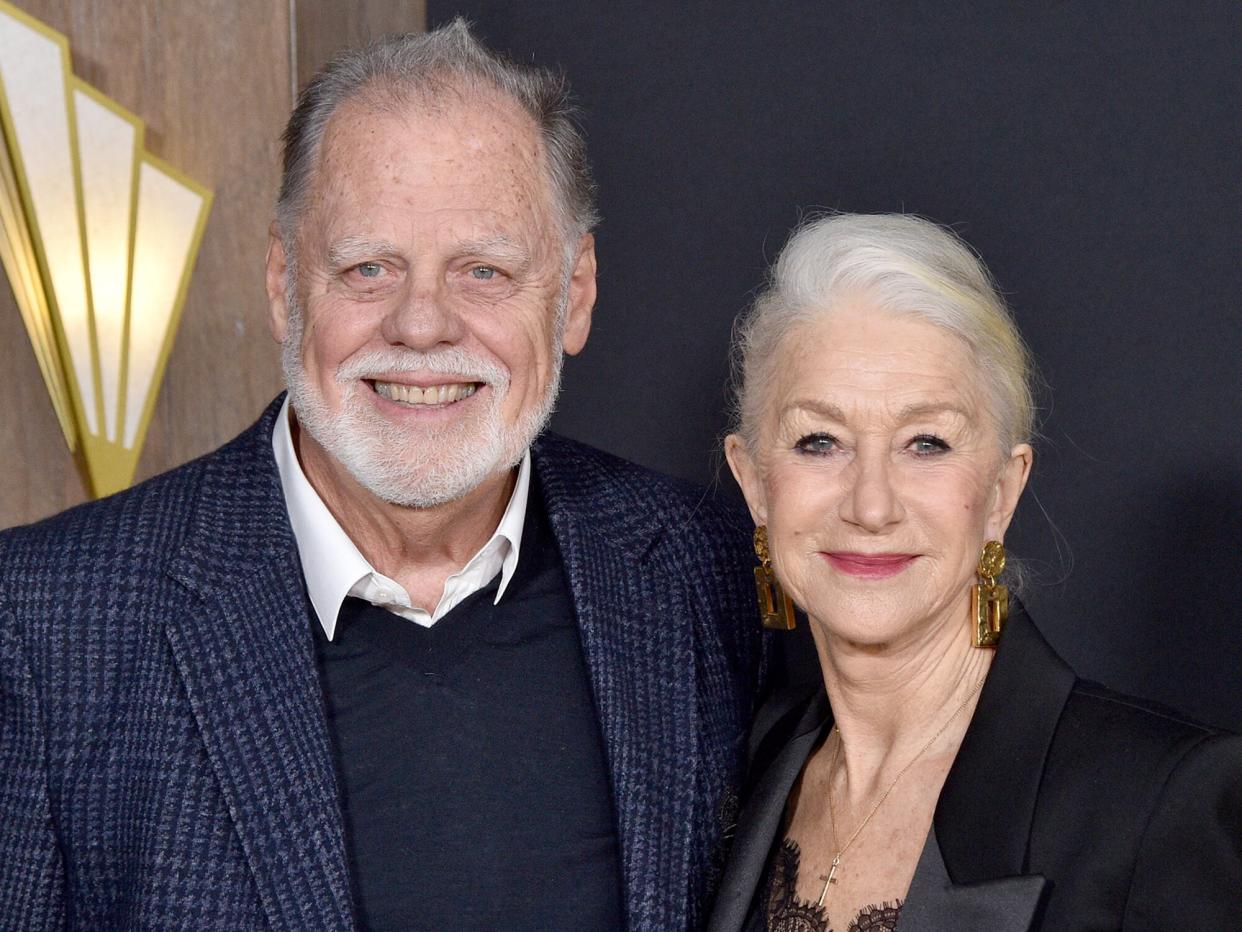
pixel 746 471
pixel 1014 473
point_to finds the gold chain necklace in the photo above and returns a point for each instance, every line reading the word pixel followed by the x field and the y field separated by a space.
pixel 832 768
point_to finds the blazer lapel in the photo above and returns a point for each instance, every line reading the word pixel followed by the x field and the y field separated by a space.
pixel 635 622
pixel 761 818
pixel 984 816
pixel 243 649
pixel 934 902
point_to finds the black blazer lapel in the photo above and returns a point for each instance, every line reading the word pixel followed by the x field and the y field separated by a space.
pixel 244 652
pixel 761 817
pixel 637 635
pixel 934 903
pixel 987 806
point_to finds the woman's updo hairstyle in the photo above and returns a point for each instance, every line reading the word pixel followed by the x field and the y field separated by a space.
pixel 906 266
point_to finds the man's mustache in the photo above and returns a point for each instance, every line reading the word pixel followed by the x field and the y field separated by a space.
pixel 454 361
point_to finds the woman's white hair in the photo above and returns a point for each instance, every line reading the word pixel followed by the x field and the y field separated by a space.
pixel 904 265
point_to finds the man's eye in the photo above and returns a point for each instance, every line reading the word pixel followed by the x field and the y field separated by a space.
pixel 369 269
pixel 816 444
pixel 928 444
pixel 484 273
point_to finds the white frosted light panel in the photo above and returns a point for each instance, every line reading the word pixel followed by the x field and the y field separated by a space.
pixel 107 150
pixel 34 72
pixel 167 219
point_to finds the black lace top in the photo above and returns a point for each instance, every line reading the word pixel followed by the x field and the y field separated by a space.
pixel 786 913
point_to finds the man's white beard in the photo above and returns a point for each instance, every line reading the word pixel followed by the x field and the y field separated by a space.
pixel 425 466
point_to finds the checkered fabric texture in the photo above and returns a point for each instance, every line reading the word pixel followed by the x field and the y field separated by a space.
pixel 164 760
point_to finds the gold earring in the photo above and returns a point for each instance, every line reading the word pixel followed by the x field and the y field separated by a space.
pixel 989 602
pixel 775 607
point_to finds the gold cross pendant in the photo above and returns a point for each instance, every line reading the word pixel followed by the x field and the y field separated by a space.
pixel 830 879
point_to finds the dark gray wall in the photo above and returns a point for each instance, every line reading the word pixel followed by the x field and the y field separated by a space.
pixel 1088 151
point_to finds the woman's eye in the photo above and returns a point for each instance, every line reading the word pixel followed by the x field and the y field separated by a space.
pixel 928 444
pixel 816 444
pixel 483 273
pixel 369 269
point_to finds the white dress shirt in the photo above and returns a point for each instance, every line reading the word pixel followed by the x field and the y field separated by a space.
pixel 334 567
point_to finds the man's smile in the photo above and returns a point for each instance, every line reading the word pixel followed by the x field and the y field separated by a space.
pixel 443 394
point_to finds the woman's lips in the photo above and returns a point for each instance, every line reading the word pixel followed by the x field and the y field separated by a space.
pixel 870 565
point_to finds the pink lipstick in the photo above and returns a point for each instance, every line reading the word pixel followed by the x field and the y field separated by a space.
pixel 870 565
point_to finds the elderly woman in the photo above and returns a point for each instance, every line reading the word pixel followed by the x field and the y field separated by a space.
pixel 952 772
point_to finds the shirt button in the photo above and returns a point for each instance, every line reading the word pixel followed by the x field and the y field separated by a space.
pixel 384 595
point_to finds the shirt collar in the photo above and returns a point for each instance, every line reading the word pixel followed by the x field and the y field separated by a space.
pixel 332 565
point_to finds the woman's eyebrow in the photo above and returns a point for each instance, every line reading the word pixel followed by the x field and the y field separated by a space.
pixel 908 413
pixel 823 408
pixel 929 408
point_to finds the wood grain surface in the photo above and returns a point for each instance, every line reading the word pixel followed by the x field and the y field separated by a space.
pixel 324 28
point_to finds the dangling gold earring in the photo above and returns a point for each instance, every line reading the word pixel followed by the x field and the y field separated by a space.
pixel 775 607
pixel 989 603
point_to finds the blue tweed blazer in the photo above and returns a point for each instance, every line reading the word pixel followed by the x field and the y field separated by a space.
pixel 164 758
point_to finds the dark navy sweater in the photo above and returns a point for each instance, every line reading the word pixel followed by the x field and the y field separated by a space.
pixel 472 774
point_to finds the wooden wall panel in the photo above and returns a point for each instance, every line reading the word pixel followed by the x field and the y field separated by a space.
pixel 324 28
pixel 211 79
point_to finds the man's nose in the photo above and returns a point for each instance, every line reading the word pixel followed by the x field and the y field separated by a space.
pixel 423 318
pixel 871 500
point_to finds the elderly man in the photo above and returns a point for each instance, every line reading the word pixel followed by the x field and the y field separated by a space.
pixel 387 660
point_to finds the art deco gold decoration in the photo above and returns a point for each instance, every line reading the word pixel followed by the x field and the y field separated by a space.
pixel 98 238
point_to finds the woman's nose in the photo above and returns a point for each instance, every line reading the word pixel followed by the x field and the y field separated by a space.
pixel 871 501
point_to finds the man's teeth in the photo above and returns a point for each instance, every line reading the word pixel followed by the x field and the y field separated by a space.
pixel 432 395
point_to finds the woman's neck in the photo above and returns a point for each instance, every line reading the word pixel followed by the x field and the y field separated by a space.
pixel 889 701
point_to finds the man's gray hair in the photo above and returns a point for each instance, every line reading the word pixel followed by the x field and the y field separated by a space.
pixel 395 71
pixel 904 265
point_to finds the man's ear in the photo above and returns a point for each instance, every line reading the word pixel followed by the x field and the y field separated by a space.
pixel 277 268
pixel 581 297
pixel 1014 473
pixel 746 471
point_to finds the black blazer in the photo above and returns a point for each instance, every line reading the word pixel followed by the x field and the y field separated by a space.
pixel 1068 807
